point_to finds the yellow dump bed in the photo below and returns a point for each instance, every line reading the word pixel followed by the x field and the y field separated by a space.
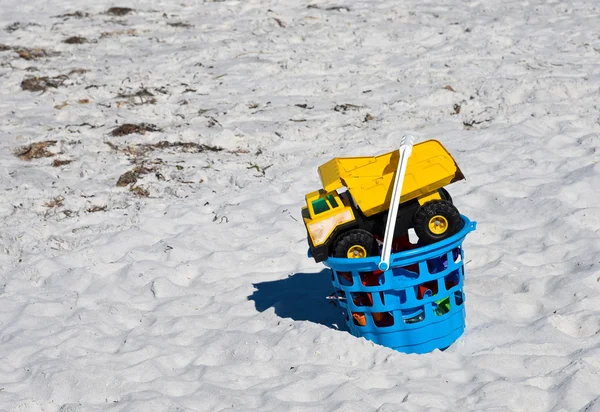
pixel 369 179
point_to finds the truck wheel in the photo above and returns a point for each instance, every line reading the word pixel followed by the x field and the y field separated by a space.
pixel 357 243
pixel 437 220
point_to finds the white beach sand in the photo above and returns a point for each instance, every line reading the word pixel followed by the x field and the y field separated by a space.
pixel 200 296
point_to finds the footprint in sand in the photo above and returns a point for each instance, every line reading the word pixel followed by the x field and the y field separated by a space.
pixel 577 325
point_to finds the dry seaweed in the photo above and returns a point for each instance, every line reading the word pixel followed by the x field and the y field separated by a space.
pixel 189 147
pixel 19 26
pixel 127 178
pixel 128 32
pixel 131 176
pixel 139 191
pixel 138 150
pixel 75 40
pixel 61 162
pixel 34 54
pixel 129 128
pixel 58 201
pixel 119 11
pixel 346 107
pixel 36 150
pixel 338 8
pixel 212 122
pixel 140 97
pixel 78 71
pixel 13 27
pixel 258 168
pixel 368 117
pixel 76 14
pixel 470 124
pixel 331 8
pixel 280 22
pixel 41 84
pixel 95 209
pixel 181 25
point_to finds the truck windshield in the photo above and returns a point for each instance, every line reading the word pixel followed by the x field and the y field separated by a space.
pixel 320 206
pixel 332 201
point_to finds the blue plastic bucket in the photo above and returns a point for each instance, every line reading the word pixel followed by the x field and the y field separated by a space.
pixel 415 306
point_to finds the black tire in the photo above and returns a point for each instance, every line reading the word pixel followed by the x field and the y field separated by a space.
pixel 428 212
pixel 355 237
pixel 445 195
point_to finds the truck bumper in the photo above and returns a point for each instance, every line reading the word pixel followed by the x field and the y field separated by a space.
pixel 318 253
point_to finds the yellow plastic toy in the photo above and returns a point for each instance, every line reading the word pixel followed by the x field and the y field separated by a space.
pixel 346 223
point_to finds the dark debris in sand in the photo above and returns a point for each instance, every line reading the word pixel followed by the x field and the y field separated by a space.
pixel 181 25
pixel 61 162
pixel 75 14
pixel 26 53
pixel 36 150
pixel 119 11
pixel 75 40
pixel 19 26
pixel 132 176
pixel 43 83
pixel 130 128
pixel 139 150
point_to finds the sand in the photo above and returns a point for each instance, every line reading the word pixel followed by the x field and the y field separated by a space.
pixel 187 287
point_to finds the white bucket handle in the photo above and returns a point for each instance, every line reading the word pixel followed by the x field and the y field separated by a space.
pixel 405 151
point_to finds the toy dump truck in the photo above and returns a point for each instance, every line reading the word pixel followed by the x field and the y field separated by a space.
pixel 347 216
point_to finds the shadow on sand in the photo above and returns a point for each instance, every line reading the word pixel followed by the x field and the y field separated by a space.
pixel 301 296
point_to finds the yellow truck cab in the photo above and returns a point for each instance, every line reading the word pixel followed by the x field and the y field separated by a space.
pixel 344 218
